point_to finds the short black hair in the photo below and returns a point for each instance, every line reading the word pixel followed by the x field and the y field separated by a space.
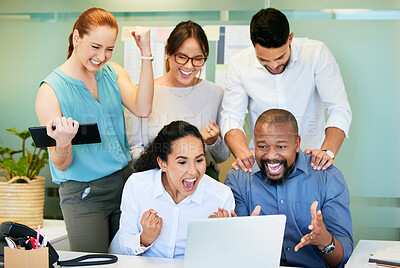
pixel 269 28
pixel 278 117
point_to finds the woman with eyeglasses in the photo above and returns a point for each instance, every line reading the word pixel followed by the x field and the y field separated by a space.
pixel 181 95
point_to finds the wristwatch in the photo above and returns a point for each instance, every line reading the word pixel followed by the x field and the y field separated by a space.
pixel 329 248
pixel 329 152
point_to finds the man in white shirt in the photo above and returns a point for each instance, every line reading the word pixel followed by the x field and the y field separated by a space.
pixel 296 74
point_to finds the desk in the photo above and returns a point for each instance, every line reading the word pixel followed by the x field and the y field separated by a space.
pixel 360 256
pixel 125 261
pixel 56 233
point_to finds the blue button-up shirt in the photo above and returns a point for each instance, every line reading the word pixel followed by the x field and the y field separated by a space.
pixel 294 198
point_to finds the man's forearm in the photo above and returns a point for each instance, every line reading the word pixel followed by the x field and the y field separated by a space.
pixel 237 142
pixel 335 258
pixel 334 138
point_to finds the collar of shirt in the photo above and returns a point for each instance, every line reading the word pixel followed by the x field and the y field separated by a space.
pixel 300 166
pixel 294 57
pixel 196 197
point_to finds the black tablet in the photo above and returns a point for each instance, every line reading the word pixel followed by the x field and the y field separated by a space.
pixel 87 133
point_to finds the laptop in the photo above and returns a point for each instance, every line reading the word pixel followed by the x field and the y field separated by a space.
pixel 235 242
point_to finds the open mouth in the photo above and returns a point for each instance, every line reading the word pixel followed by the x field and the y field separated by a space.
pixel 274 168
pixel 189 184
pixel 95 62
pixel 276 70
pixel 185 73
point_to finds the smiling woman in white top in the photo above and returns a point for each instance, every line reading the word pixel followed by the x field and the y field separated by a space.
pixel 169 190
pixel 181 95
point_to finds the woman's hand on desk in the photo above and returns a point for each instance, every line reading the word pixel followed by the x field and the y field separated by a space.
pixel 152 225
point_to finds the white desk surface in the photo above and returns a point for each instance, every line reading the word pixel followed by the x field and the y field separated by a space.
pixel 128 261
pixel 55 230
pixel 361 254
pixel 125 261
pixel 359 258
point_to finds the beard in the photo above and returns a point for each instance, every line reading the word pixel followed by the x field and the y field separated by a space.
pixel 275 182
pixel 283 68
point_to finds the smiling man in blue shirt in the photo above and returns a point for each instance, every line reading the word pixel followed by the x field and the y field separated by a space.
pixel 317 234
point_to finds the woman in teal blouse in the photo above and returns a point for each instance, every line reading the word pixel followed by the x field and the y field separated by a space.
pixel 86 88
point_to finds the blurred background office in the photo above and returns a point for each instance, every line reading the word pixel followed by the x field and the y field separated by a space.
pixel 363 35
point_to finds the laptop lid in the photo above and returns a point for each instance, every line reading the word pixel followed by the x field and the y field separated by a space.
pixel 235 242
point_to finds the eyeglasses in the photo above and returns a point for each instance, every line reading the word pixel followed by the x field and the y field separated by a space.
pixel 183 59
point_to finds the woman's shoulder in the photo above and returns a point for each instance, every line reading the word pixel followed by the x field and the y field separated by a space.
pixel 215 186
pixel 55 76
pixel 143 177
pixel 209 88
pixel 210 85
pixel 110 69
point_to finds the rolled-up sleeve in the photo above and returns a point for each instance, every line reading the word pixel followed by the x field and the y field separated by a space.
pixel 235 101
pixel 332 91
pixel 336 214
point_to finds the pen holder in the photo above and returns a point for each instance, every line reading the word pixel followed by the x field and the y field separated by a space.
pixel 21 258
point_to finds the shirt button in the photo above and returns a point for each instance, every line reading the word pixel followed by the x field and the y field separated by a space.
pixel 287 249
pixel 282 201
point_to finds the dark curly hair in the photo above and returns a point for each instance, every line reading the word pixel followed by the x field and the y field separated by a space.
pixel 162 144
pixel 269 28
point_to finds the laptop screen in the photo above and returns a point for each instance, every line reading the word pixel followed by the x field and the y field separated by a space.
pixel 235 242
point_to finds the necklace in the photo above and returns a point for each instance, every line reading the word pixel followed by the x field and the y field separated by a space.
pixel 184 95
pixel 181 96
pixel 93 85
pixel 92 88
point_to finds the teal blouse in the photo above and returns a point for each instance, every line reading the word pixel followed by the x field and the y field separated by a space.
pixel 92 161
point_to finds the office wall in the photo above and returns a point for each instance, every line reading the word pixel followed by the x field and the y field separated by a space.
pixel 366 50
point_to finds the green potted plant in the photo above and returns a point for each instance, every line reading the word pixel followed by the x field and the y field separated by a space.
pixel 21 189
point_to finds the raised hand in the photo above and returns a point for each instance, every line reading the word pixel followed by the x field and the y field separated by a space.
pixel 142 38
pixel 152 225
pixel 319 236
pixel 210 133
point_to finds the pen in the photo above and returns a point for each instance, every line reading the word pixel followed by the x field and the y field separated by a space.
pixel 32 240
pixel 37 237
pixel 44 241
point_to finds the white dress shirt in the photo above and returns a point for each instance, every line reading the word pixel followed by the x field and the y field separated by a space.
pixel 198 105
pixel 144 191
pixel 310 82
